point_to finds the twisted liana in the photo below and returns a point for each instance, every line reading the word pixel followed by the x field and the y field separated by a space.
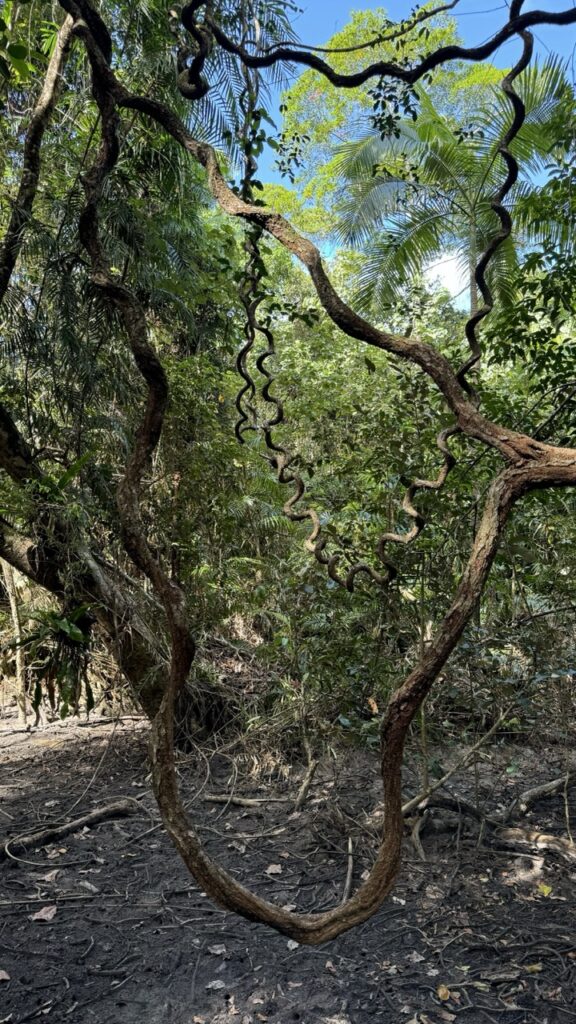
pixel 497 203
pixel 250 288
pixel 244 401
pixel 519 113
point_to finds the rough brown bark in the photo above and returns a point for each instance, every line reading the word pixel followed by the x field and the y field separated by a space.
pixel 39 120
pixel 20 675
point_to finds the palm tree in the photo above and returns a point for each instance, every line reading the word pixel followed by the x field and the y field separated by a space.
pixel 410 199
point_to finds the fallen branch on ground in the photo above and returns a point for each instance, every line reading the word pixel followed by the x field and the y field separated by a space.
pixel 19 844
pixel 244 801
pixel 538 841
pixel 524 801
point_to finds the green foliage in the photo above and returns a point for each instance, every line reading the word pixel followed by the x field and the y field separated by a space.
pixel 17 60
pixel 359 425
pixel 319 114
pixel 539 332
pixel 428 190
pixel 57 659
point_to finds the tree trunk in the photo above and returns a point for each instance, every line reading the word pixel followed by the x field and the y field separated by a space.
pixel 121 613
pixel 20 676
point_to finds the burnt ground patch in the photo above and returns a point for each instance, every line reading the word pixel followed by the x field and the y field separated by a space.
pixel 474 933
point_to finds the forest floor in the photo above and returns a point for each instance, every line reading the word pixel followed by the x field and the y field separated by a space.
pixel 106 926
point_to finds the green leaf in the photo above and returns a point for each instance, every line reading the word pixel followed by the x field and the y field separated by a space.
pixel 73 470
pixel 18 51
pixel 71 630
pixel 20 66
pixel 78 612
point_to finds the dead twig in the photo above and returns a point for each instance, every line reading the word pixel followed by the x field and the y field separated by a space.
pixel 310 772
pixel 415 836
pixel 96 770
pixel 421 797
pixel 116 809
pixel 349 871
pixel 567 808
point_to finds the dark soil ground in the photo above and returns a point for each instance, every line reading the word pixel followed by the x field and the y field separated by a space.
pixel 474 933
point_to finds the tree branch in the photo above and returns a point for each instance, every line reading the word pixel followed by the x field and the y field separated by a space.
pixel 381 69
pixel 23 203
pixel 403 29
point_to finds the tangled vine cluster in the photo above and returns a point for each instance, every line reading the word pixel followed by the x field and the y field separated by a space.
pixel 253 295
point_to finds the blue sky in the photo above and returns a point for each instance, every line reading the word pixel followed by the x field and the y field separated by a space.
pixel 477 20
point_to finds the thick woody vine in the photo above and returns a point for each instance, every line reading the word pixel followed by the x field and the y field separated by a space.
pixel 528 463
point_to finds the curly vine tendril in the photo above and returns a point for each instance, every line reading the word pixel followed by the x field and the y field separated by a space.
pixel 247 418
pixel 280 459
pixel 497 202
pixel 249 293
pixel 282 462
pixel 473 321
